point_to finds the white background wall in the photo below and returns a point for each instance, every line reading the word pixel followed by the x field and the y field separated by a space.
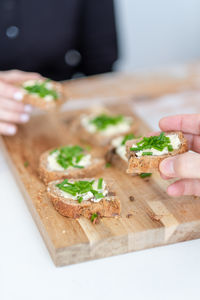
pixel 153 33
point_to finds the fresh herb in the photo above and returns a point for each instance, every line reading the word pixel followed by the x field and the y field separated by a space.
pixel 147 153
pixel 159 143
pixel 78 167
pixel 69 156
pixel 80 199
pixel 93 217
pixel 97 195
pixel 144 175
pixel 88 148
pixel 53 151
pixel 79 157
pixel 100 183
pixel 170 148
pixel 102 121
pixel 41 90
pixel 26 164
pixel 128 137
pixel 78 188
pixel 108 165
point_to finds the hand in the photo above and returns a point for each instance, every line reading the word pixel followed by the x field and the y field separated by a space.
pixel 185 166
pixel 11 110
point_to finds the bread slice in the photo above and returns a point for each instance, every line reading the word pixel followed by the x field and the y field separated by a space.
pixel 115 160
pixel 109 206
pixel 150 164
pixel 41 103
pixel 116 154
pixel 97 138
pixel 96 166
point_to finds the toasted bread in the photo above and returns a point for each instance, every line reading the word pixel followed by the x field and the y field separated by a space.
pixel 150 164
pixel 109 206
pixel 97 138
pixel 96 166
pixel 116 153
pixel 115 160
pixel 41 103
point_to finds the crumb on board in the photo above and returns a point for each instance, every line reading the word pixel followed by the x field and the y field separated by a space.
pixel 131 198
pixel 155 217
pixel 95 218
pixel 129 215
pixel 26 164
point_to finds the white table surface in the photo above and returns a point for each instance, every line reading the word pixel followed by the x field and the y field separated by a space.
pixel 28 273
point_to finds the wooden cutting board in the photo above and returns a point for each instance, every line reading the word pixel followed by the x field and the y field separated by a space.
pixel 152 219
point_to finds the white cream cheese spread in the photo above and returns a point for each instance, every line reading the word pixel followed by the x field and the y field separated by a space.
pixel 88 195
pixel 120 128
pixel 48 85
pixel 53 165
pixel 174 142
pixel 119 148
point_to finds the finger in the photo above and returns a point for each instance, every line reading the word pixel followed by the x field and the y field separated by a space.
pixel 17 75
pixel 13 105
pixel 152 133
pixel 185 165
pixel 193 142
pixel 7 129
pixel 187 123
pixel 184 187
pixel 164 177
pixel 10 91
pixel 13 117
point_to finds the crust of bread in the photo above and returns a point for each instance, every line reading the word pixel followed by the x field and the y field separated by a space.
pixel 40 102
pixel 96 166
pixel 115 160
pixel 72 209
pixel 96 138
pixel 150 164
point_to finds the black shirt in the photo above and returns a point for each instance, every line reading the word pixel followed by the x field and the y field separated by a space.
pixel 57 38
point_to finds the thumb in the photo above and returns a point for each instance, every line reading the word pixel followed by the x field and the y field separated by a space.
pixel 185 165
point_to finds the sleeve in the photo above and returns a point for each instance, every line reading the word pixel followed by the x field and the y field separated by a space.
pixel 98 37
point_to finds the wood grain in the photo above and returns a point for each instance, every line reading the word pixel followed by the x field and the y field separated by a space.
pixel 136 85
pixel 152 219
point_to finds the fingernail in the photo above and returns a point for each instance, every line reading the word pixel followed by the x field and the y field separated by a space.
pixel 27 108
pixel 11 130
pixel 167 167
pixel 18 96
pixel 24 118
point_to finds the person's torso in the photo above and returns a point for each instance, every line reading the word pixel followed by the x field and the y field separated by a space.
pixel 36 35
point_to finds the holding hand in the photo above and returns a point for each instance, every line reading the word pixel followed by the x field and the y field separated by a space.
pixel 185 166
pixel 11 110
